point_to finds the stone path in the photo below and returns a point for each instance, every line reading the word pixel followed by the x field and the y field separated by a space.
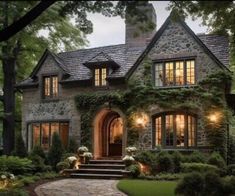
pixel 79 187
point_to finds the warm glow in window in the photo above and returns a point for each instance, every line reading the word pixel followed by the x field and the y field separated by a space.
pixel 100 77
pixel 50 87
pixel 46 131
pixel 45 136
pixel 97 77
pixel 169 80
pixel 158 124
pixel 116 127
pixel 175 73
pixel 36 134
pixel 173 130
pixel 179 73
pixel 159 74
pixel 190 72
pixel 179 121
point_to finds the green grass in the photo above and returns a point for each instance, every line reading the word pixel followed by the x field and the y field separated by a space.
pixel 147 188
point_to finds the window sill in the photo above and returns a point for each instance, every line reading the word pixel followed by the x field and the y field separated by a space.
pixel 175 87
pixel 43 100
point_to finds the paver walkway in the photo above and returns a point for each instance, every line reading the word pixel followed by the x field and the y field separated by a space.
pixel 79 187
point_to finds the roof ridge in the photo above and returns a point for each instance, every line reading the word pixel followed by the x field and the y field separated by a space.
pixel 90 48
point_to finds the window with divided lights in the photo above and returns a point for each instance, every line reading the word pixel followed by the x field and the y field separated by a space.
pixel 41 133
pixel 100 77
pixel 175 73
pixel 175 130
pixel 50 87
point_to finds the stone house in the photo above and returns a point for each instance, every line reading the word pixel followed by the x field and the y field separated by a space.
pixel 177 60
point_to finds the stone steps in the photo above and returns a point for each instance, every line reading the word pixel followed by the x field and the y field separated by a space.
pixel 96 176
pixel 101 169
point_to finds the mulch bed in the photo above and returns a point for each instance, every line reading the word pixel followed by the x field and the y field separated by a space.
pixel 30 188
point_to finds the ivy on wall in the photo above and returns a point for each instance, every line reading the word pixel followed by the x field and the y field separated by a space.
pixel 140 94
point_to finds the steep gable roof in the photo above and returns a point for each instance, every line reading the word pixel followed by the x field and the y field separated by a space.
pixel 190 32
pixel 58 60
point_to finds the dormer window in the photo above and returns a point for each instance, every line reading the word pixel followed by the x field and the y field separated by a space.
pixel 50 87
pixel 100 76
pixel 175 73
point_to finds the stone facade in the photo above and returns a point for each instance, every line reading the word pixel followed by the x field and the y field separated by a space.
pixel 175 42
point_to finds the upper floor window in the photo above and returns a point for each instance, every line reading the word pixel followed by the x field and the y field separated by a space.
pixel 50 87
pixel 175 73
pixel 100 77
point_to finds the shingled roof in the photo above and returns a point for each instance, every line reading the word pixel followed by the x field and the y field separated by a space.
pixel 218 45
pixel 73 62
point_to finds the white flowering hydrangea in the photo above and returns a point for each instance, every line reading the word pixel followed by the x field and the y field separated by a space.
pixel 128 158
pixel 87 154
pixel 82 149
pixel 72 159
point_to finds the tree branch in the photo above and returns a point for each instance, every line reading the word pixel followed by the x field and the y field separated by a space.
pixel 18 25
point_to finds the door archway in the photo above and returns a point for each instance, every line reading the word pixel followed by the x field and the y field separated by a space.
pixel 109 138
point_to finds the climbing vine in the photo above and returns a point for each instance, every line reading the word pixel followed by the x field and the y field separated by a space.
pixel 204 97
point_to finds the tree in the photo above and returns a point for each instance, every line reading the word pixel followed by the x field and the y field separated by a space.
pixel 21 50
pixel 56 150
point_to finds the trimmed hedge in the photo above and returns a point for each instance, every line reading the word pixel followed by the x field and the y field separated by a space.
pixel 198 167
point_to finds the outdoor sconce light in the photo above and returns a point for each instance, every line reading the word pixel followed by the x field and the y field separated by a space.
pixel 141 120
pixel 214 117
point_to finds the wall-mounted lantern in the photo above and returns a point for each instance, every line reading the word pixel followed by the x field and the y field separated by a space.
pixel 141 120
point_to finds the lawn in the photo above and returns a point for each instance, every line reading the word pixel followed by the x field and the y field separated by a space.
pixel 148 188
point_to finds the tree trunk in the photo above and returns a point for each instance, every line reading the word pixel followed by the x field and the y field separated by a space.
pixel 8 104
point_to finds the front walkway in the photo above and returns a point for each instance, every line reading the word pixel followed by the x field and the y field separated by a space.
pixel 79 187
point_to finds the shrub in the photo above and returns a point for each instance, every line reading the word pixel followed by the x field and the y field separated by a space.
pixel 56 150
pixel 135 170
pixel 20 149
pixel 66 155
pixel 164 162
pixel 197 157
pixel 73 146
pixel 217 160
pixel 145 157
pixel 231 169
pixel 37 150
pixel 62 165
pixel 198 167
pixel 213 184
pixel 177 159
pixel 16 165
pixel 190 185
pixel 38 163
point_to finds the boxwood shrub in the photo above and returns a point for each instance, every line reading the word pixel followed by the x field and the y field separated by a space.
pixel 198 167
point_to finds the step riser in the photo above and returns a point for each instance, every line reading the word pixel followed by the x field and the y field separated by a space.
pixel 95 177
pixel 98 172
pixel 106 162
pixel 101 167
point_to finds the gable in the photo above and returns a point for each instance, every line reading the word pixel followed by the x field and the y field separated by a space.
pixel 49 63
pixel 176 40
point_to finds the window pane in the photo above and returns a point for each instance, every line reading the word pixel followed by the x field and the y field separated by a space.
pixel 64 133
pixel 103 76
pixel 54 86
pixel 158 123
pixel 45 136
pixel 190 72
pixel 169 130
pixel 158 74
pixel 180 125
pixel 97 77
pixel 179 73
pixel 54 128
pixel 169 74
pixel 47 87
pixel 191 131
pixel 36 134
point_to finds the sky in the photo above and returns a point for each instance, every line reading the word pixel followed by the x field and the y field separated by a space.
pixel 111 30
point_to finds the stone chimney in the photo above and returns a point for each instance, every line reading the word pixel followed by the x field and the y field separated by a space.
pixel 135 37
